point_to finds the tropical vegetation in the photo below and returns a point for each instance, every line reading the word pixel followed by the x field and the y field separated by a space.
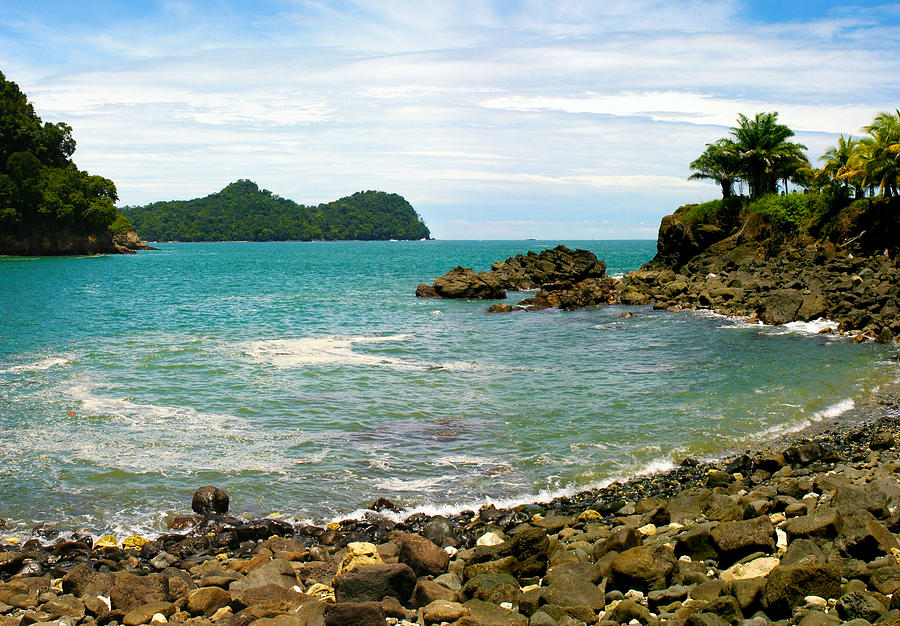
pixel 41 190
pixel 758 153
pixel 244 212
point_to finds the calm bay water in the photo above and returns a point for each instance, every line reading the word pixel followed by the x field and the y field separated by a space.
pixel 306 379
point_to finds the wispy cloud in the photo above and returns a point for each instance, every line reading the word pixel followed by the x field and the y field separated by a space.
pixel 530 109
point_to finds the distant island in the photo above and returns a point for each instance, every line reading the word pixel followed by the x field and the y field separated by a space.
pixel 244 212
pixel 47 205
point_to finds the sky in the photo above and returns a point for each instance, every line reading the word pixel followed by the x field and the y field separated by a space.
pixel 496 119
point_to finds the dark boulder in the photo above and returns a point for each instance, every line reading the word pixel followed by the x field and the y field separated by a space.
pixel 210 500
pixel 373 583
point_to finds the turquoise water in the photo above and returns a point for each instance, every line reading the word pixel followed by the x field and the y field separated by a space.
pixel 306 379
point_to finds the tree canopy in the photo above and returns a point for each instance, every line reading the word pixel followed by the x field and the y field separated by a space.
pixel 244 212
pixel 757 153
pixel 41 189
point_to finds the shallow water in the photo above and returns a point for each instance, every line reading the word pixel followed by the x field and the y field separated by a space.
pixel 306 379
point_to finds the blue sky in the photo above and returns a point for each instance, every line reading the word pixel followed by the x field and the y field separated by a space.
pixel 495 119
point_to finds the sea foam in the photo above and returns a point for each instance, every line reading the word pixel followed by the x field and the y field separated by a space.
pixel 37 366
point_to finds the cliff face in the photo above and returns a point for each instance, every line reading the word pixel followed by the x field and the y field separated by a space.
pixel 64 243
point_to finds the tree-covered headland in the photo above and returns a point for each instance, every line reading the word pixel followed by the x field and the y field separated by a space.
pixel 854 192
pixel 244 212
pixel 48 205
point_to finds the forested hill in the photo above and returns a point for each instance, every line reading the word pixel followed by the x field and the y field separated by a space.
pixel 244 212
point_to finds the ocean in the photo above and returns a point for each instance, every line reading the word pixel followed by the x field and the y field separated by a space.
pixel 306 380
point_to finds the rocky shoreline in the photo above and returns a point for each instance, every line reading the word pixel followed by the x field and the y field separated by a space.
pixel 744 269
pixel 803 530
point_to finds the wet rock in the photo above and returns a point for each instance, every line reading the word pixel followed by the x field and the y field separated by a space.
pixel 488 613
pixel 696 543
pixel 210 500
pixel 143 614
pixel 464 283
pixel 865 538
pixel 850 499
pixel 570 590
pixel 383 504
pixel 860 605
pixel 373 583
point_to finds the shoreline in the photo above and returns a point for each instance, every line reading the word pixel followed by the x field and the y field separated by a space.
pixel 864 408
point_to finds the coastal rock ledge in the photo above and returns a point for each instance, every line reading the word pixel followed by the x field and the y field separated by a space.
pixel 558 271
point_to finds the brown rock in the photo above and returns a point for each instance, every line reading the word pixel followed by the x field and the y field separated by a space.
pixel 207 600
pixel 428 591
pixel 144 613
pixel 421 554
pixel 354 614
pixel 734 540
pixel 644 568
pixel 129 591
pixel 373 583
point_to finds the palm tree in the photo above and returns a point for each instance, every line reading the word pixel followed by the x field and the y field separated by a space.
pixel 838 165
pixel 764 152
pixel 719 162
pixel 877 158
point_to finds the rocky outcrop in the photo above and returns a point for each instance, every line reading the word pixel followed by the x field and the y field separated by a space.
pixel 463 283
pixel 860 294
pixel 537 269
pixel 558 266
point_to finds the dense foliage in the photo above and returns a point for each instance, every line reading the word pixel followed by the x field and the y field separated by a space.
pixel 41 189
pixel 758 153
pixel 244 212
pixel 865 165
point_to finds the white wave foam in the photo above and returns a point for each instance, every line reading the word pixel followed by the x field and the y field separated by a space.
pixel 810 328
pixel 655 466
pixel 37 366
pixel 331 350
pixel 831 412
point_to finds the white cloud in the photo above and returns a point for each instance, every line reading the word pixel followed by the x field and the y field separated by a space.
pixel 589 111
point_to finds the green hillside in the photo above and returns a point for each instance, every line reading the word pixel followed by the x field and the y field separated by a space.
pixel 244 212
pixel 47 204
